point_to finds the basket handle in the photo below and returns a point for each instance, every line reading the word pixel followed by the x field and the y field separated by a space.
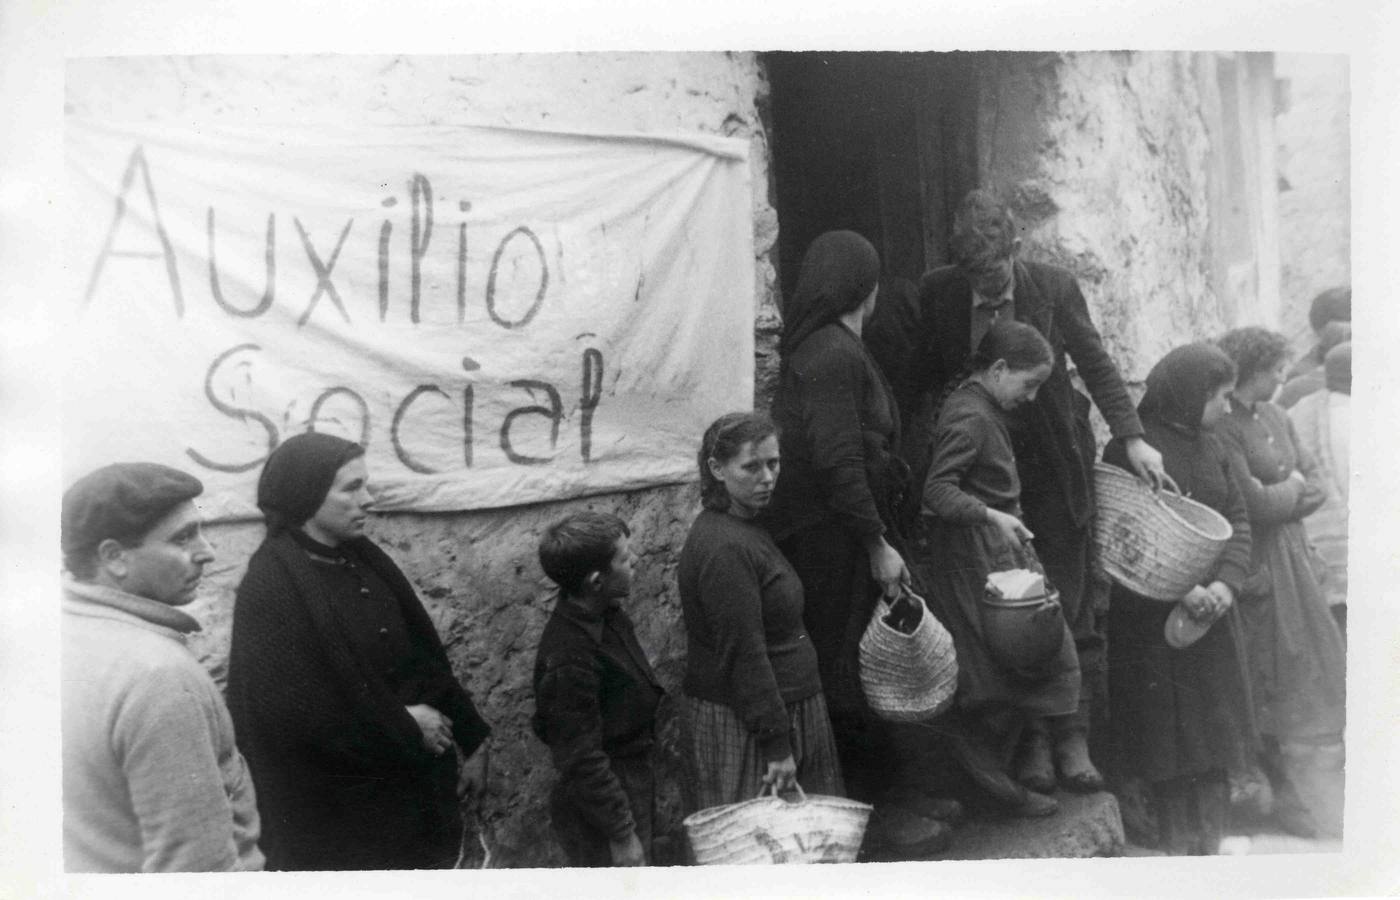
pixel 771 790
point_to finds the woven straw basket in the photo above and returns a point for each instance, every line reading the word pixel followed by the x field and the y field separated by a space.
pixel 769 830
pixel 1156 545
pixel 908 677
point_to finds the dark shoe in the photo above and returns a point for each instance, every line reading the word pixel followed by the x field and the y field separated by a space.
pixel 1034 768
pixel 1077 772
pixel 944 809
pixel 896 833
pixel 1036 806
pixel 983 768
pixel 1251 794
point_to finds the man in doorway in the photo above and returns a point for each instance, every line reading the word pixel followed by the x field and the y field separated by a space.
pixel 924 347
pixel 152 781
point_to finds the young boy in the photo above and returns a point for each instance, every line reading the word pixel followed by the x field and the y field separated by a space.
pixel 596 696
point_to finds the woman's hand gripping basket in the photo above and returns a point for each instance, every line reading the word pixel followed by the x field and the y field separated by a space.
pixel 1158 545
pixel 769 830
pixel 908 668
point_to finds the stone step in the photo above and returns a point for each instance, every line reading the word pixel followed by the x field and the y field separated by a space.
pixel 1086 825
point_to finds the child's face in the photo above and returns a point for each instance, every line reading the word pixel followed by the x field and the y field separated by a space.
pixel 616 580
pixel 1013 387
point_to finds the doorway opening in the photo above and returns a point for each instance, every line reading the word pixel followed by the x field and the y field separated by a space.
pixel 883 144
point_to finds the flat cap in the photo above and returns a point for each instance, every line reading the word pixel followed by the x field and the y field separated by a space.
pixel 122 501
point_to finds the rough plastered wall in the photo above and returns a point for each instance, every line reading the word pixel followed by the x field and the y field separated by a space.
pixel 1314 162
pixel 1126 168
pixel 477 572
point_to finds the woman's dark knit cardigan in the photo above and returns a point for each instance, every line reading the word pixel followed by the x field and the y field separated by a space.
pixel 342 777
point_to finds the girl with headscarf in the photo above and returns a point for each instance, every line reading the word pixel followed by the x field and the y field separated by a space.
pixel 343 699
pixel 833 511
pixel 1179 717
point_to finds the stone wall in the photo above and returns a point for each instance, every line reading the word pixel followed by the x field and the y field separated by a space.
pixel 1314 170
pixel 1139 172
pixel 477 572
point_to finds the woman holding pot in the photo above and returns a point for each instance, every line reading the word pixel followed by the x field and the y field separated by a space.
pixel 1179 716
pixel 359 737
pixel 972 527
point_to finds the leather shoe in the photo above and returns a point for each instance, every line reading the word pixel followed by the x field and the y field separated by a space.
pixel 1077 772
pixel 900 834
pixel 1034 768
pixel 1036 806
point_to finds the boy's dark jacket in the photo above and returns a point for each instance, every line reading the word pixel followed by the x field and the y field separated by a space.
pixel 595 699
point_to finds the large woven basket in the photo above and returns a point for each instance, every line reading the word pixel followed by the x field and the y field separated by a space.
pixel 769 830
pixel 1157 545
pixel 908 677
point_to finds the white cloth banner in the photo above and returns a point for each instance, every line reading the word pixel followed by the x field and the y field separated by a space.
pixel 500 316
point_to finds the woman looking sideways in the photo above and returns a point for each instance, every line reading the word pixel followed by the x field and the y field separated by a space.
pixel 359 737
pixel 753 696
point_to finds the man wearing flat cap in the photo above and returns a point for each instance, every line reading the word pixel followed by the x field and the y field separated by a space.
pixel 152 781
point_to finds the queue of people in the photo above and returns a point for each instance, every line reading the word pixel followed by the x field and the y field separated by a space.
pixel 913 448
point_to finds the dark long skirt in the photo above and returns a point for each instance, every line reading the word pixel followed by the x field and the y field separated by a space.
pixel 1173 713
pixel 840 597
pixel 1179 721
pixel 952 566
pixel 1296 655
pixel 728 767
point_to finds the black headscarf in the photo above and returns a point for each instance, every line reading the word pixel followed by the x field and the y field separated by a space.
pixel 1181 383
pixel 298 475
pixel 838 273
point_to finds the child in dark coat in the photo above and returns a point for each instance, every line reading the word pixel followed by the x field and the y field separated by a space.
pixel 596 697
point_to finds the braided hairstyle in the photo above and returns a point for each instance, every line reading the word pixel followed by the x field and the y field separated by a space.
pixel 723 440
pixel 1021 345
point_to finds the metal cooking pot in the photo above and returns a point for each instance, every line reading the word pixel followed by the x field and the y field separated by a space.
pixel 1024 634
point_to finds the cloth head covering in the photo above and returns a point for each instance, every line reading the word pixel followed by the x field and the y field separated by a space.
pixel 1181 383
pixel 1332 305
pixel 298 475
pixel 840 270
pixel 121 501
pixel 1337 366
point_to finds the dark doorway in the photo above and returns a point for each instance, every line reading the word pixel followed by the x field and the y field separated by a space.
pixel 880 143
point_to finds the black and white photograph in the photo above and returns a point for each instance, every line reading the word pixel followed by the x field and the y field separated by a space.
pixel 448 466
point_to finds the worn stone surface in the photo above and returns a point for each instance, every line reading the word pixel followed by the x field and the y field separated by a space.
pixel 1086 825
pixel 1314 156
pixel 1112 162
pixel 477 573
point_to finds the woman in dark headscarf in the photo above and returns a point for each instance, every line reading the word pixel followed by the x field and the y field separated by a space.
pixel 832 512
pixel 343 699
pixel 1180 718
